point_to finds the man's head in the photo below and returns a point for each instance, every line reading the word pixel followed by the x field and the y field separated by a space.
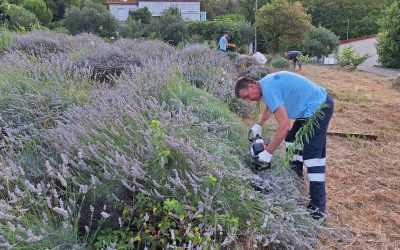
pixel 226 34
pixel 248 89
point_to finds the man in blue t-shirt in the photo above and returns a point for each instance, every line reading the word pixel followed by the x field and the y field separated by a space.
pixel 223 42
pixel 291 96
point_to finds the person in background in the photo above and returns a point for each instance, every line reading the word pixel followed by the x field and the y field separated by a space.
pixel 294 57
pixel 223 43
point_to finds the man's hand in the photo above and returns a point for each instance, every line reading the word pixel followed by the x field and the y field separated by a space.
pixel 264 157
pixel 256 130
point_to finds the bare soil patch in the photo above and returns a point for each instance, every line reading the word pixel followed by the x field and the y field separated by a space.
pixel 363 176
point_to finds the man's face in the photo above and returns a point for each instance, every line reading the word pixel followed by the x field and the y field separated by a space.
pixel 252 93
pixel 226 35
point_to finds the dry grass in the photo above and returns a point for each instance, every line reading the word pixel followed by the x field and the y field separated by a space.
pixel 363 177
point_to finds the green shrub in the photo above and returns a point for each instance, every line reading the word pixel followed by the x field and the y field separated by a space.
pixel 320 42
pixel 56 24
pixel 389 37
pixel 348 56
pixel 133 29
pixel 92 18
pixel 241 33
pixel 5 37
pixel 170 27
pixel 61 30
pixel 233 55
pixel 280 63
pixel 281 23
pixel 142 15
pixel 304 59
pixel 18 18
pixel 39 8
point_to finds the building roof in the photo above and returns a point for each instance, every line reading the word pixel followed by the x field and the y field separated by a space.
pixel 128 2
pixel 136 2
pixel 196 1
pixel 357 39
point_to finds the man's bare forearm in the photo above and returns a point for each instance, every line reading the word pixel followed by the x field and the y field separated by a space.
pixel 265 114
pixel 278 138
pixel 284 126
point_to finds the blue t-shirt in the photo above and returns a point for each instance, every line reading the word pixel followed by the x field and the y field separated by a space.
pixel 300 96
pixel 222 43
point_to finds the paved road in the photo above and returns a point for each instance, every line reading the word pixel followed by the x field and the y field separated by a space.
pixel 371 64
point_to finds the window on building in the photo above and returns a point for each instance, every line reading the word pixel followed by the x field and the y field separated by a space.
pixel 121 13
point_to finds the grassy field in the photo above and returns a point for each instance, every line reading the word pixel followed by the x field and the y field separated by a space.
pixel 362 175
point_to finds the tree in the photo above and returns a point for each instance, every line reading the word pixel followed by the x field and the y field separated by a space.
pixel 17 17
pixel 134 29
pixel 170 27
pixel 389 37
pixel 92 18
pixel 39 8
pixel 59 7
pixel 320 42
pixel 142 15
pixel 215 8
pixel 333 15
pixel 246 8
pixel 282 22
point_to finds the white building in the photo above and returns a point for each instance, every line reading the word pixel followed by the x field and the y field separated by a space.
pixel 190 9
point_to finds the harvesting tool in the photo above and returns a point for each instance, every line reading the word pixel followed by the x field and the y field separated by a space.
pixel 256 147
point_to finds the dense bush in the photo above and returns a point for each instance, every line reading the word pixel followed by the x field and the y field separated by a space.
pixel 91 18
pixel 255 72
pixel 134 29
pixel 39 8
pixel 320 42
pixel 389 37
pixel 240 31
pixel 39 44
pixel 348 56
pixel 170 26
pixel 150 162
pixel 282 22
pixel 107 63
pixel 18 18
pixel 142 15
pixel 146 49
pixel 244 61
pixel 280 63
pixel 333 15
pixel 5 37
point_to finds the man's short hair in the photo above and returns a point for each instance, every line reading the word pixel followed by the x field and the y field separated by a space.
pixel 243 83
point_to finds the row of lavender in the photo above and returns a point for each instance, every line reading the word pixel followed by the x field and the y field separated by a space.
pixel 130 145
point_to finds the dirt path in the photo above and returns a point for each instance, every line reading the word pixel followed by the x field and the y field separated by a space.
pixel 363 177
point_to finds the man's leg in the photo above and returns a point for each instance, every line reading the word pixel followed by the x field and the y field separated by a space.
pixel 298 56
pixel 294 62
pixel 315 160
pixel 314 156
pixel 297 163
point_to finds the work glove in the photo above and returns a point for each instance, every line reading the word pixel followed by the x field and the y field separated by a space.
pixel 255 130
pixel 264 157
pixel 261 161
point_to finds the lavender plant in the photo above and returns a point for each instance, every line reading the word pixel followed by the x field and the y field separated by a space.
pixel 39 44
pixel 107 63
pixel 155 160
